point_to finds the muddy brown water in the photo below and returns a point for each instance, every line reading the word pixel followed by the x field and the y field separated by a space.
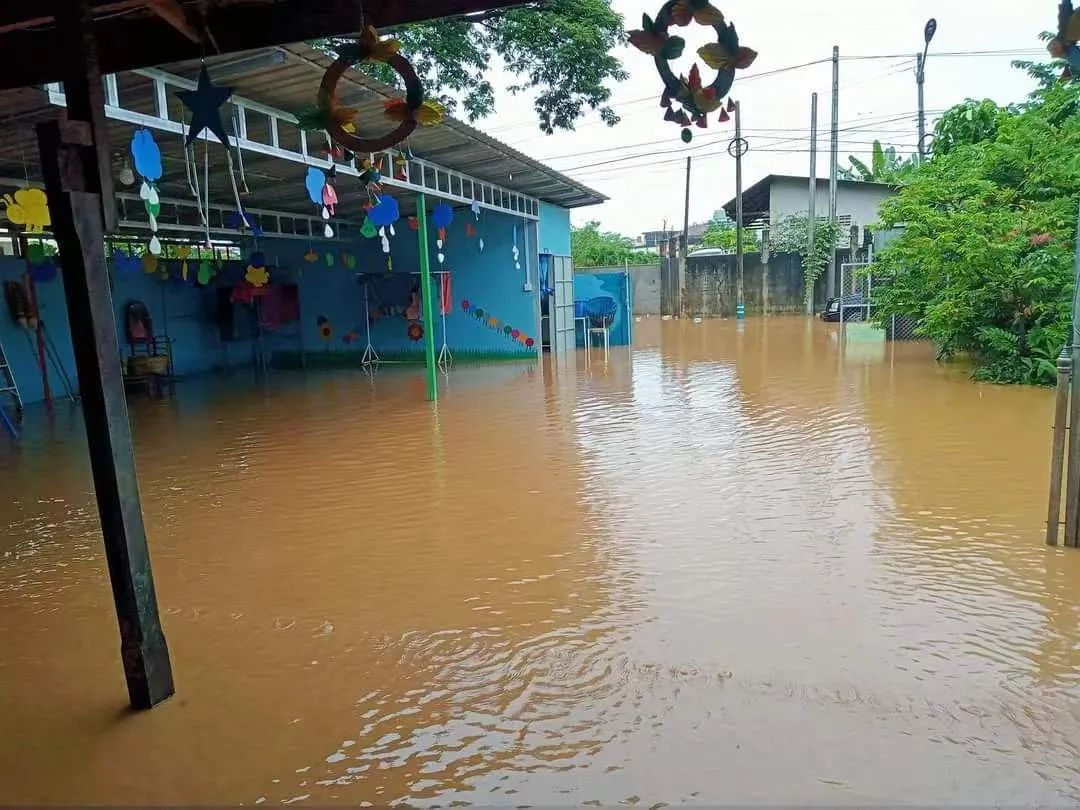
pixel 727 566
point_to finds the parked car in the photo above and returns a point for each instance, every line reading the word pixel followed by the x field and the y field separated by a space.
pixel 855 309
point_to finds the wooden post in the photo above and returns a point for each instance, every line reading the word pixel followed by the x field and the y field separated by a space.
pixel 426 299
pixel 1057 457
pixel 71 154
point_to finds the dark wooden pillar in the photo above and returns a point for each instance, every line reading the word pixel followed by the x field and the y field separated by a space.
pixel 70 160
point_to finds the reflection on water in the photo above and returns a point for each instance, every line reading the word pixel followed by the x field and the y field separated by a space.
pixel 733 565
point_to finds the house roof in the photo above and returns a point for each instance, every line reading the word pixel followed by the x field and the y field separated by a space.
pixel 133 34
pixel 284 78
pixel 756 199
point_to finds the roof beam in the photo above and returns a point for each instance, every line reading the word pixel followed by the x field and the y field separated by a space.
pixel 127 42
pixel 173 13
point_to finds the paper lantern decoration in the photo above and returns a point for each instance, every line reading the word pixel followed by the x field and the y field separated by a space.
pixel 205 103
pixel 407 112
pixel 725 56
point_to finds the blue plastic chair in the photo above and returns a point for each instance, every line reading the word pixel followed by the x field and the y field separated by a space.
pixel 601 313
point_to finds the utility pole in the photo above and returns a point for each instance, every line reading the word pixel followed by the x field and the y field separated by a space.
pixel 1072 482
pixel 811 214
pixel 685 247
pixel 834 167
pixel 739 150
pixel 920 80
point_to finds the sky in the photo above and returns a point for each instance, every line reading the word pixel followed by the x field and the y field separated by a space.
pixel 640 163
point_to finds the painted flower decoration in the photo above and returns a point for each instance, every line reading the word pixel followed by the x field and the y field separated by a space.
pixel 530 342
pixel 325 330
pixel 415 331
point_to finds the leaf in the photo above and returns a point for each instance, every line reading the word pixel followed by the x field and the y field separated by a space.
pixel 694 81
pixel 647 42
pixel 716 56
pixel 707 14
pixel 745 57
pixel 681 13
pixel 647 23
pixel 673 48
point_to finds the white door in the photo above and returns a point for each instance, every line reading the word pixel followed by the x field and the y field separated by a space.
pixel 562 273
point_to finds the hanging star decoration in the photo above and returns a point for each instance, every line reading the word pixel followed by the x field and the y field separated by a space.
pixel 205 103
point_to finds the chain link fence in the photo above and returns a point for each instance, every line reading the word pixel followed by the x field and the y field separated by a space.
pixel 857 294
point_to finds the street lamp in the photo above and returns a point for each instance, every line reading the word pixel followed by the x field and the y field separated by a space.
pixel 920 78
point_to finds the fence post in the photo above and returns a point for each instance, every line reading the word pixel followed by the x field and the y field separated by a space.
pixel 1057 457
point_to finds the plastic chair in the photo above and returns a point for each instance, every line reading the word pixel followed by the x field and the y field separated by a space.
pixel 601 313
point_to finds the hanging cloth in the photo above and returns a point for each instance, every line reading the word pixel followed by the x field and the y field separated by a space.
pixel 445 295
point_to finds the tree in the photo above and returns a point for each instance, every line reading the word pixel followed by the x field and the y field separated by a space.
pixel 721 234
pixel 1046 74
pixel 592 247
pixel 886 166
pixel 560 48
pixel 985 260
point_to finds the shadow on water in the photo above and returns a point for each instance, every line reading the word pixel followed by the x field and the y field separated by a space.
pixel 735 564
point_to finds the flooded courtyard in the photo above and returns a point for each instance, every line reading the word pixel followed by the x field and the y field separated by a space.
pixel 729 565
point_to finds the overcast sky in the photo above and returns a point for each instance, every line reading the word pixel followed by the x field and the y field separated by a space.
pixel 877 98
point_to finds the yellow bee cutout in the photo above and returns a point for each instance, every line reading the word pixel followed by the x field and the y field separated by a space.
pixel 29 207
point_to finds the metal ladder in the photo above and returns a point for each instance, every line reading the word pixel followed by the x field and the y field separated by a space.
pixel 11 389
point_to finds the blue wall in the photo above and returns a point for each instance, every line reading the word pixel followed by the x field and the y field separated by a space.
pixel 488 280
pixel 609 285
pixel 554 236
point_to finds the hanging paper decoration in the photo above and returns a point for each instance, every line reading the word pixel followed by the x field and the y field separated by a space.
pixel 385 212
pixel 29 208
pixel 206 273
pixel 322 193
pixel 241 220
pixel 407 112
pixel 125 264
pixel 490 321
pixel 475 208
pixel 325 330
pixel 725 56
pixel 442 215
pixel 400 164
pixel 371 177
pixel 414 224
pixel 348 260
pixel 329 259
pixel 470 231
pixel 256 274
pixel 42 268
pixel 517 254
pixel 415 331
pixel 368 229
pixel 311 256
pixel 205 103
pixel 149 263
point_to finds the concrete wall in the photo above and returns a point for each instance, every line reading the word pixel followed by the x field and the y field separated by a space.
pixel 488 280
pixel 645 285
pixel 860 201
pixel 712 282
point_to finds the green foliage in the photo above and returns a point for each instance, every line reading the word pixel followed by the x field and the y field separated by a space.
pixel 1045 74
pixel 562 49
pixel 985 260
pixel 592 247
pixel 968 123
pixel 886 166
pixel 721 233
pixel 791 235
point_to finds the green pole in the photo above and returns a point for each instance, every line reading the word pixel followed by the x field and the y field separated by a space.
pixel 428 300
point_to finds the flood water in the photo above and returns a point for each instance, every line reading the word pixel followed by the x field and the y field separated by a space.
pixel 727 566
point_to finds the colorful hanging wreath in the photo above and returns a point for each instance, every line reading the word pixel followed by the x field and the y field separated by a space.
pixel 339 122
pixel 725 56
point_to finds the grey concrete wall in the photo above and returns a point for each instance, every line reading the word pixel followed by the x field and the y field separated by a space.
pixel 858 200
pixel 712 282
pixel 645 285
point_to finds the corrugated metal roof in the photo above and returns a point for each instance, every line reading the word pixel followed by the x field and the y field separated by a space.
pixel 287 79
